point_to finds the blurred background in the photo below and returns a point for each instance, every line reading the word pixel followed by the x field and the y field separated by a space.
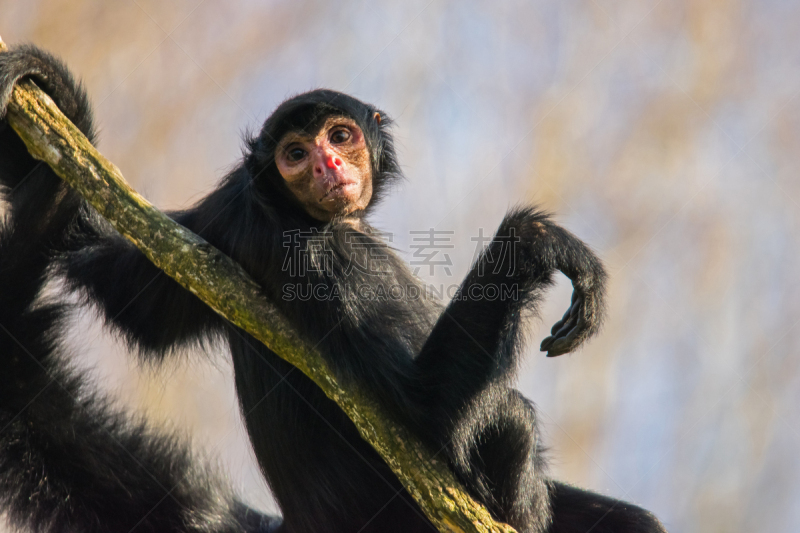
pixel 663 133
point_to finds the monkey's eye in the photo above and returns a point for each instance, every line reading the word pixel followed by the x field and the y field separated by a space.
pixel 340 136
pixel 295 154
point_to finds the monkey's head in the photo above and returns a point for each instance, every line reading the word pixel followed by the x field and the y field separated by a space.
pixel 326 153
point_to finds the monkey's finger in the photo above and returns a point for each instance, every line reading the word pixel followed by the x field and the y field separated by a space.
pixel 557 348
pixel 566 344
pixel 565 325
pixel 575 295
pixel 548 342
pixel 555 353
pixel 560 349
pixel 568 326
pixel 571 312
pixel 561 321
pixel 560 324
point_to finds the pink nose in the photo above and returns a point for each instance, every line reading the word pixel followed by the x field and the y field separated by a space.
pixel 333 161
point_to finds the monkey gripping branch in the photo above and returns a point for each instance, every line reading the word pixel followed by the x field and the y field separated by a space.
pixel 225 287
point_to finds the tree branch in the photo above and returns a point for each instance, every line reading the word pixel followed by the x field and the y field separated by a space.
pixel 227 289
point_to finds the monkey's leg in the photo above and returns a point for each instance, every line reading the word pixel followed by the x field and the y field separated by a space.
pixel 577 511
pixel 495 450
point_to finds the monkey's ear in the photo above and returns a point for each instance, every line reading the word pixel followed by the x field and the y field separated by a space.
pixel 377 117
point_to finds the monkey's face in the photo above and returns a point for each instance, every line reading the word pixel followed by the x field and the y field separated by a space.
pixel 328 172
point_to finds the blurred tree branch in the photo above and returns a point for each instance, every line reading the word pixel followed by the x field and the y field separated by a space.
pixel 223 285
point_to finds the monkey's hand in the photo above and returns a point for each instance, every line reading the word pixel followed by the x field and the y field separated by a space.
pixel 581 321
pixel 50 74
pixel 547 248
pixel 53 77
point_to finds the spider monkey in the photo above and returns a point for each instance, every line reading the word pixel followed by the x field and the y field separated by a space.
pixel 319 165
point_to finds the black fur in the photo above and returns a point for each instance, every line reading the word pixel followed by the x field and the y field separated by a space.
pixel 68 462
pixel 446 374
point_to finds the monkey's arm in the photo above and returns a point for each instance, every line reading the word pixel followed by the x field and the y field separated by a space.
pixel 150 309
pixel 477 338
